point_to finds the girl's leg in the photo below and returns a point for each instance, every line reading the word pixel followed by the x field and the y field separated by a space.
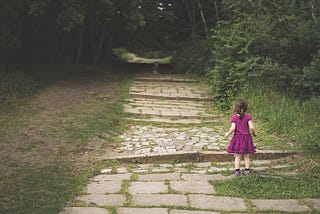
pixel 246 161
pixel 237 158
pixel 246 164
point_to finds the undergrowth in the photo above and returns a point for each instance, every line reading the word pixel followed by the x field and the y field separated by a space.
pixel 293 120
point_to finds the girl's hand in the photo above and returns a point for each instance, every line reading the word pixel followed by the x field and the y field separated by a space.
pixel 226 133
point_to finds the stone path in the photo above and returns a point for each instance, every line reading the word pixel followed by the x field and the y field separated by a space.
pixel 170 100
pixel 174 187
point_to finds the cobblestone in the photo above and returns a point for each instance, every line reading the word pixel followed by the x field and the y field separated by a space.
pixel 150 139
pixel 180 188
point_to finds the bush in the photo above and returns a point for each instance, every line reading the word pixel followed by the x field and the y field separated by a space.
pixel 232 65
pixel 308 83
pixel 192 58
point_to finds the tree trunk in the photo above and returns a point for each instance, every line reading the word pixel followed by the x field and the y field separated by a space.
pixel 203 20
pixel 313 11
pixel 91 31
pixel 191 14
pixel 62 46
pixel 217 11
pixel 100 44
pixel 109 44
pixel 80 46
pixel 34 46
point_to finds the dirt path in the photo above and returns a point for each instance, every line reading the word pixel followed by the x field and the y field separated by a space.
pixel 35 142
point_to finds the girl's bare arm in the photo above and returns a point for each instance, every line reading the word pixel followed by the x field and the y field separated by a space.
pixel 252 129
pixel 232 128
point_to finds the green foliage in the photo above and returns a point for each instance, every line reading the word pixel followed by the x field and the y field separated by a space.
pixel 271 41
pixel 308 83
pixel 292 119
pixel 192 57
pixel 269 187
pixel 232 64
pixel 71 15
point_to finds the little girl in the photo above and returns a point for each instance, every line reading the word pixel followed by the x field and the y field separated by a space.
pixel 241 143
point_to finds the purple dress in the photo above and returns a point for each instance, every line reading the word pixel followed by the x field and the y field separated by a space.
pixel 241 142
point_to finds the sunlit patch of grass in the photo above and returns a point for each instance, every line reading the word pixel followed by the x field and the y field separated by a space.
pixel 136 59
pixel 126 56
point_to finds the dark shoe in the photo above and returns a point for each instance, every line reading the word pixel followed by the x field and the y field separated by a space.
pixel 247 172
pixel 237 173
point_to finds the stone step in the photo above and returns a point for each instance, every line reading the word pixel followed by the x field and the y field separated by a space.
pixel 170 96
pixel 193 157
pixel 171 113
pixel 163 102
pixel 163 78
pixel 171 120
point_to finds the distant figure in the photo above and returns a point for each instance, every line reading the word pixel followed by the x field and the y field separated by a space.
pixel 155 69
pixel 241 143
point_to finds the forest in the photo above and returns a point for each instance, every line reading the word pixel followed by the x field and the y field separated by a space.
pixel 239 46
pixel 267 52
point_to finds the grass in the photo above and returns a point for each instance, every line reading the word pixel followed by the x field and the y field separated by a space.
pixel 289 119
pixel 39 189
pixel 269 187
pixel 126 56
pixel 34 179
pixel 80 123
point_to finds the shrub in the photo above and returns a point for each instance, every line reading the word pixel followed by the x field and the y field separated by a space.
pixel 192 57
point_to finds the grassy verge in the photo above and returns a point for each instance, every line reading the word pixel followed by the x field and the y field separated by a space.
pixel 39 189
pixel 43 165
pixel 293 120
pixel 269 187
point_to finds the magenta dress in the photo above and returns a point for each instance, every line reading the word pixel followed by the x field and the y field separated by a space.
pixel 241 142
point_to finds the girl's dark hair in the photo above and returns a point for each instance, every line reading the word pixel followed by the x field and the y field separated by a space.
pixel 241 107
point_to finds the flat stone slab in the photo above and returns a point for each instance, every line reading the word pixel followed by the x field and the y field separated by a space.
pixel 160 177
pixel 202 177
pixel 191 212
pixel 103 200
pixel 116 177
pixel 124 210
pixel 315 202
pixel 167 120
pixel 217 203
pixel 159 200
pixel 84 210
pixel 192 187
pixel 289 205
pixel 104 187
pixel 147 187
